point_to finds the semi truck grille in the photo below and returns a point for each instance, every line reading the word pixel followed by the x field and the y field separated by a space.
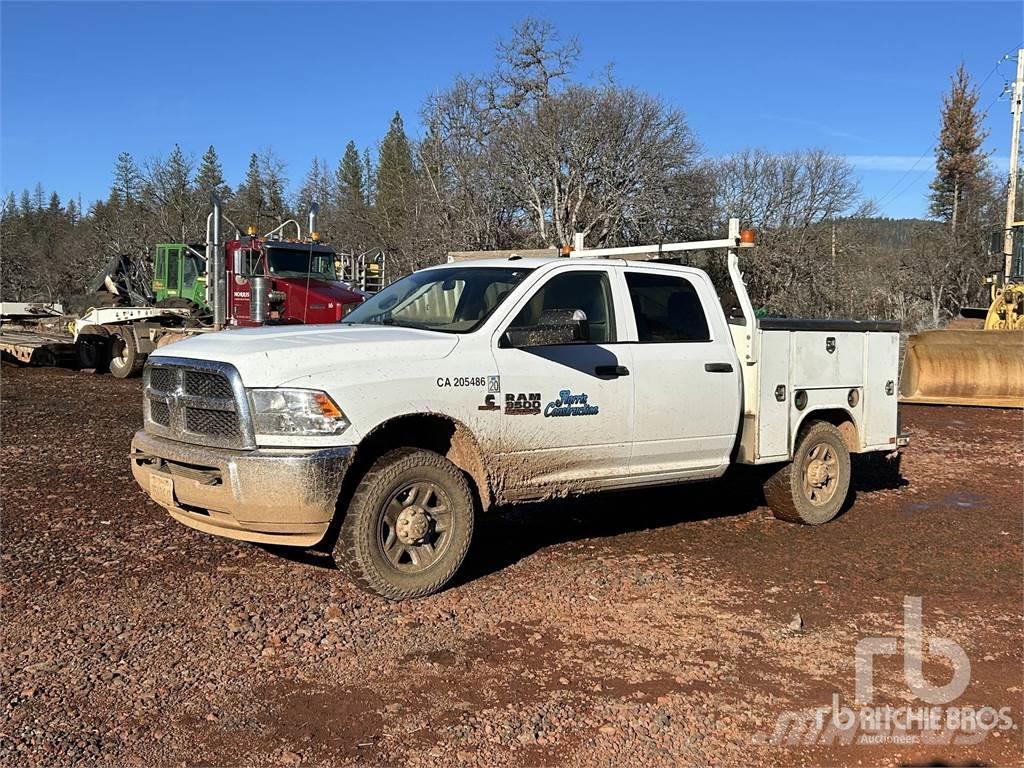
pixel 197 401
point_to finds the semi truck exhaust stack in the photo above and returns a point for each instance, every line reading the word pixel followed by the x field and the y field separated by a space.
pixel 217 278
pixel 314 210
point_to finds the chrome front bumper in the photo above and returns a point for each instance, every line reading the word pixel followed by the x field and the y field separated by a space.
pixel 267 495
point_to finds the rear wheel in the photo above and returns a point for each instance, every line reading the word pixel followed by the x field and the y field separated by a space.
pixel 813 487
pixel 408 526
pixel 93 347
pixel 125 359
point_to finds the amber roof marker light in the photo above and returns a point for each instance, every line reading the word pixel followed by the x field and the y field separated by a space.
pixel 748 238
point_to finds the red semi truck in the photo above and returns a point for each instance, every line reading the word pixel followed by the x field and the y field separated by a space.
pixel 250 281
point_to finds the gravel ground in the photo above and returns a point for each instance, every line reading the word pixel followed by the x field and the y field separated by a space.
pixel 654 628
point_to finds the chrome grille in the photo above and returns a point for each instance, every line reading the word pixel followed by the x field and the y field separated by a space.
pixel 202 384
pixel 197 401
pixel 206 422
pixel 160 413
pixel 162 379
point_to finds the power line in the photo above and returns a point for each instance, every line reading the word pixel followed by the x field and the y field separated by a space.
pixel 885 197
pixel 905 174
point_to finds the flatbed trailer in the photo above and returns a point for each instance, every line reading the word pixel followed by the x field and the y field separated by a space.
pixel 32 333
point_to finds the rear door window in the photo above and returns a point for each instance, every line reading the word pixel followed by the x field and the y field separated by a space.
pixel 667 308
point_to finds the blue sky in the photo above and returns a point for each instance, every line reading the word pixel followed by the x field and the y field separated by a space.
pixel 82 81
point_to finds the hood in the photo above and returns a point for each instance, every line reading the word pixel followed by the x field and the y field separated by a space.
pixel 272 355
pixel 339 293
pixel 315 301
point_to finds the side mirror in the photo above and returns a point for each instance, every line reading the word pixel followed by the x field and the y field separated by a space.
pixel 555 326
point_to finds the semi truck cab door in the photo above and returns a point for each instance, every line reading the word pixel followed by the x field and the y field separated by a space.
pixel 566 409
pixel 687 382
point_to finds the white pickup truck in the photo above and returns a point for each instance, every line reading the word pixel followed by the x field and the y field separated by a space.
pixel 498 380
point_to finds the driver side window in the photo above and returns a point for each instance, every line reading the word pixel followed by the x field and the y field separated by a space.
pixel 587 291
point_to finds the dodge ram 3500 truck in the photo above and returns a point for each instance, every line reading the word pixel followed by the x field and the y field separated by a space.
pixel 491 381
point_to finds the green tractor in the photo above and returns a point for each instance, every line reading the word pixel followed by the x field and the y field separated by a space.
pixel 179 276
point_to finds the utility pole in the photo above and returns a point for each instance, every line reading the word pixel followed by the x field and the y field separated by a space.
pixel 1016 98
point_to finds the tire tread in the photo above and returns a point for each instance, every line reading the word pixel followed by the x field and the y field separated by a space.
pixel 349 554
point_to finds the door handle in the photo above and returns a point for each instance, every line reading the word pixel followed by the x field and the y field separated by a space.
pixel 611 370
pixel 718 367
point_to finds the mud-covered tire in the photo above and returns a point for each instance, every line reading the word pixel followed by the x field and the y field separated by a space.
pixel 93 347
pixel 790 490
pixel 362 550
pixel 125 359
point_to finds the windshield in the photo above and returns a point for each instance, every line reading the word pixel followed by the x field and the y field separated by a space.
pixel 301 262
pixel 452 300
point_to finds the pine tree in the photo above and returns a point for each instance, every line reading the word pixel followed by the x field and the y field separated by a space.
pixel 72 212
pixel 272 171
pixel 127 186
pixel 54 208
pixel 251 197
pixel 394 174
pixel 10 207
pixel 25 206
pixel 210 178
pixel 369 176
pixel 317 186
pixel 959 161
pixel 349 178
pixel 38 195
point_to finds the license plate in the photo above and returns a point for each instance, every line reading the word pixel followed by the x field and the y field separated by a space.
pixel 162 489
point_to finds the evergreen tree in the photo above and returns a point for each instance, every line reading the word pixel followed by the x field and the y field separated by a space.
pixel 54 208
pixel 394 174
pixel 316 187
pixel 251 199
pixel 272 171
pixel 369 177
pixel 960 162
pixel 25 206
pixel 10 206
pixel 211 176
pixel 38 195
pixel 127 186
pixel 349 178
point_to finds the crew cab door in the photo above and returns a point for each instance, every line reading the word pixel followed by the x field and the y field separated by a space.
pixel 687 389
pixel 566 409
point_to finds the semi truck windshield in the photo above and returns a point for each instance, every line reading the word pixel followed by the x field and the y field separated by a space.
pixel 301 262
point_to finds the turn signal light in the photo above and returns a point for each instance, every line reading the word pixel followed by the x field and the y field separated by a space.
pixel 327 407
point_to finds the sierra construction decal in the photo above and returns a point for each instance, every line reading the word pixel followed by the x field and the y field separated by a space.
pixel 569 404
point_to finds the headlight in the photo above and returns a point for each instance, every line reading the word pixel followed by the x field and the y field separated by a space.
pixel 295 412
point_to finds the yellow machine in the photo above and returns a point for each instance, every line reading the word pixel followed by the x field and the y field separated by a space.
pixel 974 367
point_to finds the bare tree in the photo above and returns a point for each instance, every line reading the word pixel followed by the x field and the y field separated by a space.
pixel 792 199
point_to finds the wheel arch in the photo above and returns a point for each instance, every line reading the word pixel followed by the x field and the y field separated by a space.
pixel 436 432
pixel 840 418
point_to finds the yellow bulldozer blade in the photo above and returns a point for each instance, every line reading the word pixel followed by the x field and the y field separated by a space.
pixel 964 367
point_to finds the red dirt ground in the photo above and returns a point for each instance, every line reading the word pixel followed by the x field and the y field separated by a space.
pixel 648 628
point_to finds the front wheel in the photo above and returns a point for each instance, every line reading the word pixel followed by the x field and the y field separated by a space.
pixel 408 526
pixel 813 487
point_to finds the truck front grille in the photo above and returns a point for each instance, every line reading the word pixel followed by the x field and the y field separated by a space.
pixel 197 401
pixel 203 422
